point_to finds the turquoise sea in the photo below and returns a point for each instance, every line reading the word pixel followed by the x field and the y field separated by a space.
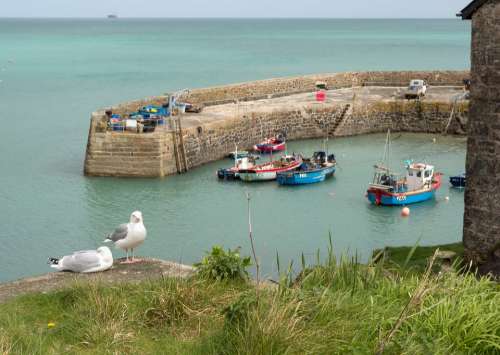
pixel 54 72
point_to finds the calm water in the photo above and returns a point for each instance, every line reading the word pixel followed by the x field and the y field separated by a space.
pixel 53 73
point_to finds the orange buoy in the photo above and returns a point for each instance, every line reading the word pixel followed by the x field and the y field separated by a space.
pixel 405 212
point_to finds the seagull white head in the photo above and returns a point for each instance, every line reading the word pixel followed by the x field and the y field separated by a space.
pixel 106 253
pixel 136 217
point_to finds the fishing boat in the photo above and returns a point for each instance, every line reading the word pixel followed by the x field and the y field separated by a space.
pixel 420 183
pixel 458 180
pixel 268 171
pixel 270 145
pixel 233 172
pixel 316 169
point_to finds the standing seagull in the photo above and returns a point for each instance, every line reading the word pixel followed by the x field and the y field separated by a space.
pixel 84 261
pixel 129 235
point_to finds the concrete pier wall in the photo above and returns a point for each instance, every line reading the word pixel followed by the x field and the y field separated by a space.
pixel 152 154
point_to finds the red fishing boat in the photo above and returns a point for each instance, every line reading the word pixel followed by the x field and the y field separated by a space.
pixel 275 144
pixel 268 171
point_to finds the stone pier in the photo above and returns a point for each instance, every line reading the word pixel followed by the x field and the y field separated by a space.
pixel 243 114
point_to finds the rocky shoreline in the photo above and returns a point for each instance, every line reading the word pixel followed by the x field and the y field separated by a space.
pixel 146 269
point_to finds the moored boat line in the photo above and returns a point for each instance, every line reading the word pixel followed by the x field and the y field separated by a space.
pixel 419 183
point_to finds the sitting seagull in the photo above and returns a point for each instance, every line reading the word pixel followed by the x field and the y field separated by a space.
pixel 129 235
pixel 84 261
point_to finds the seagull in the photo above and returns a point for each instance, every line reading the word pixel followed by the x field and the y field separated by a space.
pixel 129 235
pixel 84 261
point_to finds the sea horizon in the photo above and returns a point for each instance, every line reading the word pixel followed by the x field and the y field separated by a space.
pixel 104 17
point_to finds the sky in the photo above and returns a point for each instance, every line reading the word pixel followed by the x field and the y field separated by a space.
pixel 234 8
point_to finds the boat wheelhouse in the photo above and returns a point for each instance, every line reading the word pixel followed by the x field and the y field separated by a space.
pixel 233 172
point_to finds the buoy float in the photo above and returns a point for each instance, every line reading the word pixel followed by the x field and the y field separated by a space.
pixel 405 212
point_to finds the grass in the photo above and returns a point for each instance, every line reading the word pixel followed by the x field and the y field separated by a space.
pixel 336 307
pixel 417 261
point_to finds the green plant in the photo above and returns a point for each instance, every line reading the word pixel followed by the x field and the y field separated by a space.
pixel 236 314
pixel 224 265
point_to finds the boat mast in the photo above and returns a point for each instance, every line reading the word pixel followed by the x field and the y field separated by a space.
pixel 326 143
pixel 387 151
pixel 383 167
pixel 236 155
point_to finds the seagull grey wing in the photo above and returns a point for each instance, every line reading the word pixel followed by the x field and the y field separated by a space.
pixel 82 260
pixel 120 233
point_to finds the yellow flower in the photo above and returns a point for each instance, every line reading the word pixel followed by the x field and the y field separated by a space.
pixel 51 325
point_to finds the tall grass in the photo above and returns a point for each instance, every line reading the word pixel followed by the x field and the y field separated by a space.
pixel 334 306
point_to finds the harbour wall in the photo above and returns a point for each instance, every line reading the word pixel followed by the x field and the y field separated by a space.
pixel 269 88
pixel 153 154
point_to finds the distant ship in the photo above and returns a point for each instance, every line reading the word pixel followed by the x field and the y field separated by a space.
pixel 112 16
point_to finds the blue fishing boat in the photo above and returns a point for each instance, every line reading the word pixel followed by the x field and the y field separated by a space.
pixel 315 169
pixel 458 180
pixel 420 183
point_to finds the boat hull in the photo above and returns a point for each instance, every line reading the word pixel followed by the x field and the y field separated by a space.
pixel 458 181
pixel 228 174
pixel 383 198
pixel 257 176
pixel 304 177
pixel 251 175
pixel 270 148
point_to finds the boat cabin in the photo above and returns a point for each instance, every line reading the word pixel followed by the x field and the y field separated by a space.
pixel 244 163
pixel 418 176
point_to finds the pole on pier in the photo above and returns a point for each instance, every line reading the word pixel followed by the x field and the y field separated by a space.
pixel 176 150
pixel 183 148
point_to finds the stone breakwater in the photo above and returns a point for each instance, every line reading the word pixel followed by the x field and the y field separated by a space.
pixel 242 114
